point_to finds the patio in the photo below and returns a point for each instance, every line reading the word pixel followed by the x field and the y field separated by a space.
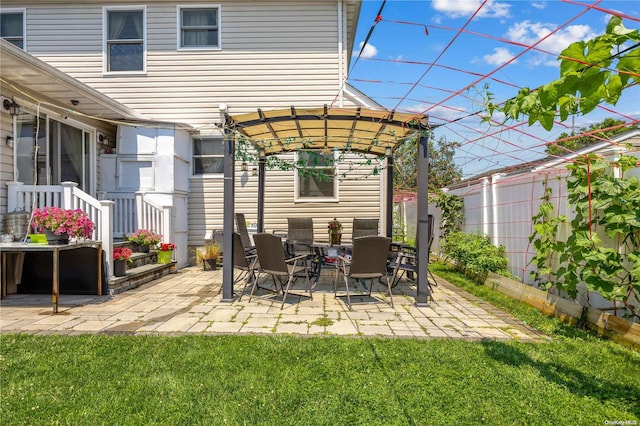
pixel 189 302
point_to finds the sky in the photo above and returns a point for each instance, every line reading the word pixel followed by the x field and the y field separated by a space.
pixel 436 58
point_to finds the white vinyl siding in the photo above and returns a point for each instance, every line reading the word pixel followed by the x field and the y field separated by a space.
pixel 198 27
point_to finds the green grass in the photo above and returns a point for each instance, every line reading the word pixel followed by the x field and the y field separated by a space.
pixel 576 378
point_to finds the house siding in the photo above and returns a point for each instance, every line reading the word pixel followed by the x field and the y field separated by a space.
pixel 272 56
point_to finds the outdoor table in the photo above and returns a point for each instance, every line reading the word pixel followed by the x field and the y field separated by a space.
pixel 20 247
pixel 325 254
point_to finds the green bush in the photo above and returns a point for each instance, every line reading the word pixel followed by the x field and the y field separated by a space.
pixel 475 256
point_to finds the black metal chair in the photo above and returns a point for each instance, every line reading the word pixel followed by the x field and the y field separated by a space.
pixel 245 262
pixel 368 262
pixel 271 256
pixel 405 259
pixel 241 227
pixel 364 228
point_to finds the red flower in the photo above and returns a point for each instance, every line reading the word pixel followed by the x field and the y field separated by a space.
pixel 167 246
pixel 122 253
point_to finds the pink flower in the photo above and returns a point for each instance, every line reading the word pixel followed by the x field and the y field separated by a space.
pixel 75 223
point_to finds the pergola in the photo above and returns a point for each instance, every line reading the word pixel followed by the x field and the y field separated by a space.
pixel 368 131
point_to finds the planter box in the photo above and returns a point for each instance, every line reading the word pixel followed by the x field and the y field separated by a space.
pixel 616 328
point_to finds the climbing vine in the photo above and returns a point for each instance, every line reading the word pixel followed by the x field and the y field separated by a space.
pixel 356 165
pixel 591 71
pixel 451 207
pixel 602 249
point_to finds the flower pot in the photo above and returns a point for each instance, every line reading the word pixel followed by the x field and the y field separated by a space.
pixel 119 268
pixel 142 248
pixel 165 256
pixel 54 239
pixel 335 238
pixel 209 264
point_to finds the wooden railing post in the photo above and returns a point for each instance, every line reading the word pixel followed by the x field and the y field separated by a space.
pixel 167 224
pixel 12 195
pixel 106 234
pixel 140 220
pixel 67 194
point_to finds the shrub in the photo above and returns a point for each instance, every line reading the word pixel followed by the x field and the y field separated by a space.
pixel 475 256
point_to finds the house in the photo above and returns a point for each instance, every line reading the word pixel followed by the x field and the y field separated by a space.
pixel 128 100
pixel 502 204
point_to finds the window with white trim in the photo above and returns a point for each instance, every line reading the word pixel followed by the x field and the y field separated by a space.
pixel 316 176
pixel 12 27
pixel 125 39
pixel 208 155
pixel 199 27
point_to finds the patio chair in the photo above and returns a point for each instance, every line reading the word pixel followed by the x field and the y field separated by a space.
pixel 406 259
pixel 241 227
pixel 271 257
pixel 368 262
pixel 299 235
pixel 245 262
pixel 364 228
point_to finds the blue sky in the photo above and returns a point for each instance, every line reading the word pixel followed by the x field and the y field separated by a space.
pixel 417 59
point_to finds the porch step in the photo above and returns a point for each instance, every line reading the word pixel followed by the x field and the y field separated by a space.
pixel 143 268
pixel 139 275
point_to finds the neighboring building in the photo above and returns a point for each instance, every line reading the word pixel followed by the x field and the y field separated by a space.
pixel 126 99
pixel 502 204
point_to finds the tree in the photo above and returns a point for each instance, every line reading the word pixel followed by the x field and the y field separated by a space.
pixel 586 136
pixel 442 169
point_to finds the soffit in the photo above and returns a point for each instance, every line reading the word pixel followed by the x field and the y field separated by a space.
pixel 357 129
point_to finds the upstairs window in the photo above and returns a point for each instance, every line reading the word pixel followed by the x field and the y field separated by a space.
pixel 125 39
pixel 12 27
pixel 208 156
pixel 199 27
pixel 316 177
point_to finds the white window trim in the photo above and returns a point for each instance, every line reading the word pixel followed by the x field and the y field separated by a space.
pixel 24 23
pixel 105 31
pixel 336 187
pixel 179 26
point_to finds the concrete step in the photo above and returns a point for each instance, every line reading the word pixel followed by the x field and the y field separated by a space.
pixel 139 275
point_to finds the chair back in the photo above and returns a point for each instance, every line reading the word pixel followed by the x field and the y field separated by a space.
pixel 300 230
pixel 364 228
pixel 369 255
pixel 270 253
pixel 241 227
pixel 239 255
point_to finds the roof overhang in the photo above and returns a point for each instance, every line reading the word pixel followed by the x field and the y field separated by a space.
pixel 346 129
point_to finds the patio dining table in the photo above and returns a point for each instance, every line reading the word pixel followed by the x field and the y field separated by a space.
pixel 323 255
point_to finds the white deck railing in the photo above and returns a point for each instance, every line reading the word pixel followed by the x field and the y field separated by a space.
pixel 117 214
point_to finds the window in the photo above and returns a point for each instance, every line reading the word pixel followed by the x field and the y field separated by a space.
pixel 316 180
pixel 198 27
pixel 125 40
pixel 12 27
pixel 208 156
pixel 63 152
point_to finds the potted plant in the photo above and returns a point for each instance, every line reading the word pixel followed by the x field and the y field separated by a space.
pixel 121 255
pixel 209 256
pixel 145 239
pixel 59 224
pixel 165 252
pixel 334 228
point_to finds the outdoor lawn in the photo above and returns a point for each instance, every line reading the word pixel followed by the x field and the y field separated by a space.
pixel 574 378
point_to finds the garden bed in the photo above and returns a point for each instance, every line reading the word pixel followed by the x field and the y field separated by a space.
pixel 616 328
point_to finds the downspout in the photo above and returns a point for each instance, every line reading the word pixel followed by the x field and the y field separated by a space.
pixel 485 205
pixel 341 33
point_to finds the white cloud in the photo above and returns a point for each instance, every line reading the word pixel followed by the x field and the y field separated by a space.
pixel 500 56
pixel 457 8
pixel 369 50
pixel 528 33
pixel 539 5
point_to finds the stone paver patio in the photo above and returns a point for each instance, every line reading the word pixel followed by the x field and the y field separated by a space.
pixel 189 302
